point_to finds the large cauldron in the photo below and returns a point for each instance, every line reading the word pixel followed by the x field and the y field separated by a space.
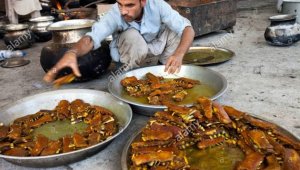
pixel 64 35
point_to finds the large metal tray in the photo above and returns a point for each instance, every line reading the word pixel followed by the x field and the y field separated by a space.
pixel 125 159
pixel 49 100
pixel 202 56
pixel 204 75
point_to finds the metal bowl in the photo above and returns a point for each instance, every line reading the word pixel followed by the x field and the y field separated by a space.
pixel 125 159
pixel 49 100
pixel 204 75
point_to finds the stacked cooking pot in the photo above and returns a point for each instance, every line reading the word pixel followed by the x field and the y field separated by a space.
pixel 21 36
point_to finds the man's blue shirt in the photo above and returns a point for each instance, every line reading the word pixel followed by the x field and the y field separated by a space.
pixel 156 15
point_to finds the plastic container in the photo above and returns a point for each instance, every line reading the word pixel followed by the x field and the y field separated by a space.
pixel 4 54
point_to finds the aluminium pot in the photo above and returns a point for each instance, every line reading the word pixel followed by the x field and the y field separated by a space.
pixel 39 28
pixel 18 36
pixel 64 35
pixel 283 30
pixel 70 31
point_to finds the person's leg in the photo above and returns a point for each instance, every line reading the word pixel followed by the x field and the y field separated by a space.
pixel 35 14
pixel 133 48
pixel 165 45
pixel 172 41
pixel 10 12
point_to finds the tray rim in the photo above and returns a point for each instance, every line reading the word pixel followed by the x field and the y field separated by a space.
pixel 217 95
pixel 196 48
pixel 125 151
pixel 105 142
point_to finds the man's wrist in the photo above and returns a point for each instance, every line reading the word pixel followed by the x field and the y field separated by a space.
pixel 73 51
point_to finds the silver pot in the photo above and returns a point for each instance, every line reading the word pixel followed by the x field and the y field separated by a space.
pixel 49 100
pixel 39 28
pixel 283 30
pixel 69 31
pixel 18 36
pixel 291 7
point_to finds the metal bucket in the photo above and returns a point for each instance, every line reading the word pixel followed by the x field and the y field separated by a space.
pixel 291 7
pixel 49 100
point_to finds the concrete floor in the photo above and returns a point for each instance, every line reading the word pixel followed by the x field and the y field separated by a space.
pixel 263 80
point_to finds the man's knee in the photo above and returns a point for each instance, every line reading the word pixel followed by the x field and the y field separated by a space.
pixel 131 36
pixel 132 47
pixel 133 40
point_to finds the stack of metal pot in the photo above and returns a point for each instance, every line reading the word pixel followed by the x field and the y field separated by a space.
pixel 39 28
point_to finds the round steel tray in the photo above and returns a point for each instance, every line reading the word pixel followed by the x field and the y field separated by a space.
pixel 125 159
pixel 14 62
pixel 204 75
pixel 49 100
pixel 207 55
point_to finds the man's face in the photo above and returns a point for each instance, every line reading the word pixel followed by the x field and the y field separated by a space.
pixel 131 9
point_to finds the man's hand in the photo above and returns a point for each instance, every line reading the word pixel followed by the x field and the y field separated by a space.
pixel 68 60
pixel 173 64
pixel 82 47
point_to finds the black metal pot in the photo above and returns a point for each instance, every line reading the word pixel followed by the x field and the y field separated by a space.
pixel 18 36
pixel 283 30
pixel 91 66
pixel 64 35
pixel 39 28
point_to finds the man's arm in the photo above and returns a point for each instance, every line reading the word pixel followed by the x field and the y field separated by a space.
pixel 82 47
pixel 174 62
pixel 100 30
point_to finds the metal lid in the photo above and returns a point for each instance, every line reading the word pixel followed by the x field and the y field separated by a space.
pixel 16 27
pixel 71 24
pixel 42 19
pixel 14 62
pixel 285 17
